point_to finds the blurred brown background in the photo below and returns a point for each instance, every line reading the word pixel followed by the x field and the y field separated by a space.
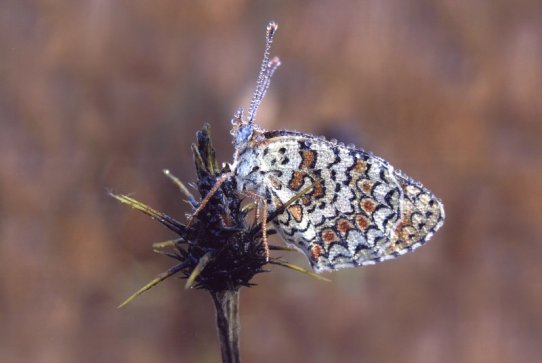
pixel 98 94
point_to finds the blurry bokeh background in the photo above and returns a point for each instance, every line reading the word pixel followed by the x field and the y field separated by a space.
pixel 99 94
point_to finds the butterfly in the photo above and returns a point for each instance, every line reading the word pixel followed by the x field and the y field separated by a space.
pixel 340 206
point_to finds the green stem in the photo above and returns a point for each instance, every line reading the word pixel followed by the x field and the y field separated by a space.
pixel 227 323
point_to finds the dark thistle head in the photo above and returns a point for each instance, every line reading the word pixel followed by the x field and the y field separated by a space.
pixel 218 250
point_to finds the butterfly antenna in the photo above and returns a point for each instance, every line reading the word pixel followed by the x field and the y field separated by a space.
pixel 267 69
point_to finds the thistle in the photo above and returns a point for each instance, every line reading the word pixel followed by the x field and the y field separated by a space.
pixel 218 250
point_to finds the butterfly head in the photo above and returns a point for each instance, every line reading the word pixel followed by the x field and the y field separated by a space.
pixel 242 130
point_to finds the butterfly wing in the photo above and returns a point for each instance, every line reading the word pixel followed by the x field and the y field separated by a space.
pixel 359 211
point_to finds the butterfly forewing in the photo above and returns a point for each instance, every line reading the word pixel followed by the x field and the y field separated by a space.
pixel 359 210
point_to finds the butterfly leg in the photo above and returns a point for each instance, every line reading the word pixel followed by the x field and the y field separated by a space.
pixel 209 195
pixel 261 199
pixel 257 210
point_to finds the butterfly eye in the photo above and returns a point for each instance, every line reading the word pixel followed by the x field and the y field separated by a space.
pixel 243 135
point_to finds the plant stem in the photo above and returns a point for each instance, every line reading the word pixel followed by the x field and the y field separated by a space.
pixel 227 323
